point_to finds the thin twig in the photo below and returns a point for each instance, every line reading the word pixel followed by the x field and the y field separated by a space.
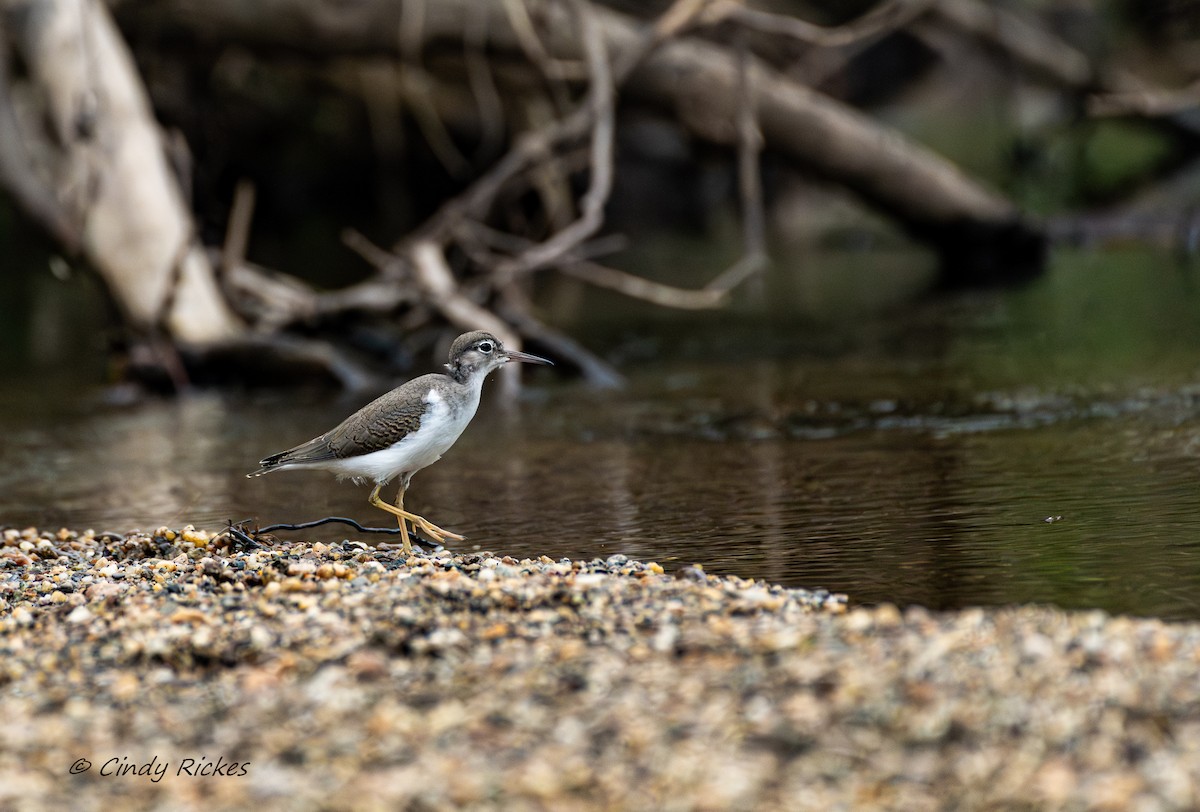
pixel 680 16
pixel 416 83
pixel 533 146
pixel 882 19
pixel 237 232
pixel 637 287
pixel 389 263
pixel 1145 101
pixel 746 266
pixel 556 71
pixel 1028 45
pixel 749 150
pixel 483 85
pixel 438 284
pixel 515 307
pixel 269 299
pixel 272 528
pixel 600 106
pixel 579 265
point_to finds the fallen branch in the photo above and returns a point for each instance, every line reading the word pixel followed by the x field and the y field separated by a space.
pixel 441 290
pixel 106 168
pixel 637 287
pixel 725 95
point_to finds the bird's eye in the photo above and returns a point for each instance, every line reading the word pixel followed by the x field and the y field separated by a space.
pixel 486 347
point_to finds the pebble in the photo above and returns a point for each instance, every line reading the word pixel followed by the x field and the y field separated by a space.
pixel 350 676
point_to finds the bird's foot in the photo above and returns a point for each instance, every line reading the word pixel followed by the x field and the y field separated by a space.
pixel 436 533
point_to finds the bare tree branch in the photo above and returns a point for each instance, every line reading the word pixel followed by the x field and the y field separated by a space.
pixel 749 147
pixel 557 71
pixel 1145 101
pixel 637 287
pixel 237 233
pixel 1034 49
pixel 880 20
pixel 483 85
pixel 579 265
pixel 726 95
pixel 517 309
pixel 600 110
pixel 440 289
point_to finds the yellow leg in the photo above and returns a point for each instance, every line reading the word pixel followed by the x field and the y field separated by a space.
pixel 432 530
pixel 403 524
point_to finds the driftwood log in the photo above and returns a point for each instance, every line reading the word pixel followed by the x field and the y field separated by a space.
pixel 81 152
pixel 99 178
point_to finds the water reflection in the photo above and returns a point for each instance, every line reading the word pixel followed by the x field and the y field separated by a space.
pixel 915 464
pixel 895 514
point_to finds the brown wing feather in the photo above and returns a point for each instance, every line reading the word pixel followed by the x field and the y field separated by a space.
pixel 382 422
pixel 379 424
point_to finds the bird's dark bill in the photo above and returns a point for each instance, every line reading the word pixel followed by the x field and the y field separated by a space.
pixel 515 355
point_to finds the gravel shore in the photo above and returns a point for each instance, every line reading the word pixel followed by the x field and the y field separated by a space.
pixel 170 670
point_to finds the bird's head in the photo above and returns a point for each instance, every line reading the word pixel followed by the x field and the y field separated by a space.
pixel 478 353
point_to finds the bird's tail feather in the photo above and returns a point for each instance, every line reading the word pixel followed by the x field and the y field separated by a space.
pixel 315 450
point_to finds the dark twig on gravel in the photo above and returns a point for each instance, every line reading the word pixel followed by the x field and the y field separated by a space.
pixel 244 537
pixel 393 531
pixel 241 539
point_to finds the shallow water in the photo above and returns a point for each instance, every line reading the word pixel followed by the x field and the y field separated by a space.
pixel 1024 446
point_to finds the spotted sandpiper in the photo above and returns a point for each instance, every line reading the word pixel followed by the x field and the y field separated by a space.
pixel 407 429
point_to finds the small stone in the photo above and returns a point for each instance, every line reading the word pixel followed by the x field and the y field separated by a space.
pixel 102 591
pixel 194 536
pixel 887 615
pixel 859 620
pixel 80 614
